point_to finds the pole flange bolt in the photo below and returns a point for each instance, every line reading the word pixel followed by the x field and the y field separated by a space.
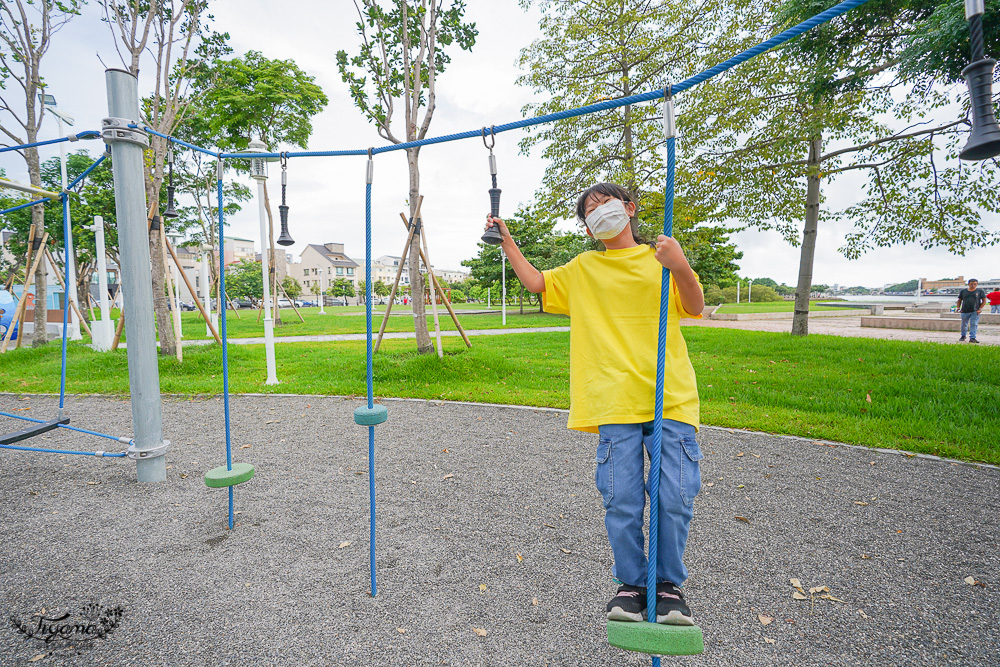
pixel 150 453
pixel 117 129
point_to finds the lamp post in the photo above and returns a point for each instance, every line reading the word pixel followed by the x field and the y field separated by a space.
pixel 322 289
pixel 206 289
pixel 750 290
pixel 49 102
pixel 175 279
pixel 258 170
pixel 103 329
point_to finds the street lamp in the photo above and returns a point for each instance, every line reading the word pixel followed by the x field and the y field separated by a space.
pixel 49 102
pixel 749 290
pixel 258 171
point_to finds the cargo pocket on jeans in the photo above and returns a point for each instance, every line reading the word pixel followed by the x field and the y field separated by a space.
pixel 690 469
pixel 604 477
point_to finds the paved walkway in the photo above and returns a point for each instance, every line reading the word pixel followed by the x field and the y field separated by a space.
pixel 834 326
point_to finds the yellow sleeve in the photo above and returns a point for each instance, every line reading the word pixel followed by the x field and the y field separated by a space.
pixel 555 298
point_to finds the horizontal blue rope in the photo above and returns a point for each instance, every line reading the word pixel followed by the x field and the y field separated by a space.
pixel 62 451
pixel 39 143
pixel 67 426
pixel 146 128
pixel 738 59
pixel 30 203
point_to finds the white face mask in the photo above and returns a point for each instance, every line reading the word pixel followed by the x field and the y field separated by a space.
pixel 607 220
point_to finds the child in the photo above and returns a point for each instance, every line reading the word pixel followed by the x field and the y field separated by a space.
pixel 613 299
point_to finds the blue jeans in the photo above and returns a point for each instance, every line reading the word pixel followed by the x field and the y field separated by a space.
pixel 619 477
pixel 995 310
pixel 970 321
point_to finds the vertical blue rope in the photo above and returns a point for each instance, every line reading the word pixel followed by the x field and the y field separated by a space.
pixel 370 379
pixel 661 346
pixel 225 342
pixel 66 304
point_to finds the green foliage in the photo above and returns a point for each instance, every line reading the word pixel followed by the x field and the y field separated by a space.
pixel 380 288
pixel 244 280
pixel 764 293
pixel 292 287
pixel 939 49
pixel 908 286
pixel 342 287
pixel 273 100
pixel 819 287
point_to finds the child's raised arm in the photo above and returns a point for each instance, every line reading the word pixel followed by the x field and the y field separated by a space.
pixel 671 256
pixel 530 277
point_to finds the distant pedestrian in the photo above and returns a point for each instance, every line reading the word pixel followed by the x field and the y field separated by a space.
pixel 994 299
pixel 970 304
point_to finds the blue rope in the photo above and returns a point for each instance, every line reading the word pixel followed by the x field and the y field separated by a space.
pixel 225 346
pixel 657 442
pixel 48 199
pixel 30 203
pixel 43 143
pixel 370 381
pixel 66 300
pixel 146 128
pixel 63 451
pixel 87 171
pixel 777 40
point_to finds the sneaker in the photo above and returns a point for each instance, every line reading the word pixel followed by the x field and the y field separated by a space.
pixel 962 339
pixel 670 606
pixel 973 340
pixel 628 605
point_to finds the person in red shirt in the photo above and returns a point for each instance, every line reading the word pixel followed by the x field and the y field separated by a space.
pixel 994 299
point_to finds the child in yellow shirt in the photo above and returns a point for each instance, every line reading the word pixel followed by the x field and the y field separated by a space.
pixel 613 299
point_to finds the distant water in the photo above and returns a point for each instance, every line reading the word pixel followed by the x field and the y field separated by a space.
pixel 934 298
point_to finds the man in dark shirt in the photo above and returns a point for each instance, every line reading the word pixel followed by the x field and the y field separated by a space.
pixel 970 304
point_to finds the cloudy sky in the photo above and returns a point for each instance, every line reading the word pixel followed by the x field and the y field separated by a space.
pixel 326 195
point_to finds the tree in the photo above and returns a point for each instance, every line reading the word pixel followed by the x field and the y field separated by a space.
pixel 26 30
pixel 292 287
pixel 380 288
pixel 342 287
pixel 401 55
pixel 95 196
pixel 178 37
pixel 272 100
pixel 608 49
pixel 833 101
pixel 244 280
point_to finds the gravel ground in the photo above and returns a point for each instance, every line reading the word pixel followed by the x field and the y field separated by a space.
pixel 462 491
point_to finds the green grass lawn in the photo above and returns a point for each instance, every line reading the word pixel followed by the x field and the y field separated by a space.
pixel 919 397
pixel 771 307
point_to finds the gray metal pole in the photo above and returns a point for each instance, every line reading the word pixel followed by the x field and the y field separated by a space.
pixel 133 245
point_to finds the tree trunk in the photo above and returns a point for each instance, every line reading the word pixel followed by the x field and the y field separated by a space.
pixel 800 321
pixel 40 336
pixel 424 344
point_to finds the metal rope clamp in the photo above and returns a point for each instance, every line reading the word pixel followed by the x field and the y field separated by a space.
pixel 151 453
pixel 117 129
pixel 669 120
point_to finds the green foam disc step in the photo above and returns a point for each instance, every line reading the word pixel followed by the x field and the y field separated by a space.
pixel 370 416
pixel 656 638
pixel 220 477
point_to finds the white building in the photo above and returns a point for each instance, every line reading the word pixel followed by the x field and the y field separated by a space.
pixel 322 265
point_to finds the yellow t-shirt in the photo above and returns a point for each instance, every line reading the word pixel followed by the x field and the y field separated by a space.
pixel 613 300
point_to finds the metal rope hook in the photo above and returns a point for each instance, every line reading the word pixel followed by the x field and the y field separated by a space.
pixel 285 238
pixel 492 235
pixel 669 122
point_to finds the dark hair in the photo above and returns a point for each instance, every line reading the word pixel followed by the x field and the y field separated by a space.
pixel 618 192
pixel 971 280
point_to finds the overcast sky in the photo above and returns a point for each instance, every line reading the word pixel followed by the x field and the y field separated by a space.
pixel 326 196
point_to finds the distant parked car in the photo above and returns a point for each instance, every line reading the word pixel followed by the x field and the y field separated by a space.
pixel 187 306
pixel 285 303
pixel 308 304
pixel 243 303
pixel 336 301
